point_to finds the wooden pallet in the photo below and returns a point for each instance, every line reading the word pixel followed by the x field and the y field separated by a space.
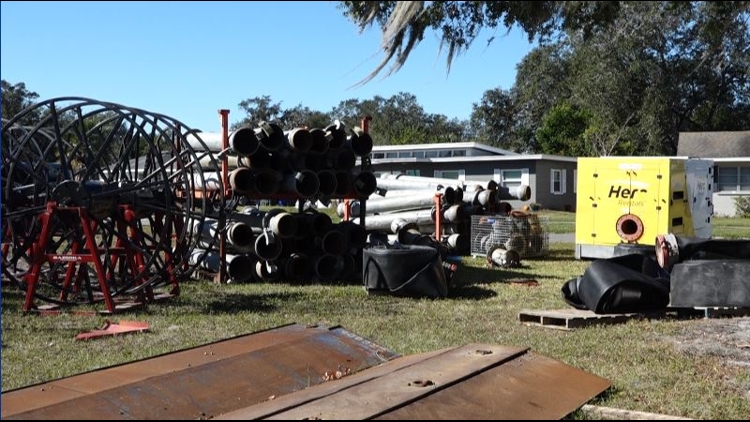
pixel 721 311
pixel 568 319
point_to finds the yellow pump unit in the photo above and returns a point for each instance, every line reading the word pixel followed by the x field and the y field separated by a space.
pixel 631 200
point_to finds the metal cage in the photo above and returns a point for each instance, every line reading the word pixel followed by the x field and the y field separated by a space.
pixel 524 233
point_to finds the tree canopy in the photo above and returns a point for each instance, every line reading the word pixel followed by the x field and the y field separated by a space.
pixel 15 97
pixel 634 74
pixel 403 23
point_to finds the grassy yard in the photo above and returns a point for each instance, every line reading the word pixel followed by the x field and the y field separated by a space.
pixel 649 373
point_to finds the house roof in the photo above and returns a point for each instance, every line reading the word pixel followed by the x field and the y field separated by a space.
pixel 489 158
pixel 443 145
pixel 714 144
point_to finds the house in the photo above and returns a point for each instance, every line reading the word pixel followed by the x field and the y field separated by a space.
pixel 730 152
pixel 552 178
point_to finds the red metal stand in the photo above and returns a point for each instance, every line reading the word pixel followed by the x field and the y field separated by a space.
pixel 438 216
pixel 84 251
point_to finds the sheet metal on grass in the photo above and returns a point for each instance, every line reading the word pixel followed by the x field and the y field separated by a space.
pixel 202 382
pixel 476 381
pixel 299 372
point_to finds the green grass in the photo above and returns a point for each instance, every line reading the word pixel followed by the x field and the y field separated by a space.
pixel 647 371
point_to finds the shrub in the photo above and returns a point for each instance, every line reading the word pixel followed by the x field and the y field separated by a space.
pixel 742 206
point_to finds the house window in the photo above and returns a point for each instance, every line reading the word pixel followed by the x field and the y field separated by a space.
pixel 511 178
pixel 557 182
pixel 378 155
pixel 406 154
pixel 459 153
pixel 391 155
pixel 412 172
pixel 444 153
pixel 431 154
pixel 733 179
pixel 451 174
pixel 418 154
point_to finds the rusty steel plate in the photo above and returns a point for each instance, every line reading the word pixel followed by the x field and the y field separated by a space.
pixel 204 381
pixel 471 382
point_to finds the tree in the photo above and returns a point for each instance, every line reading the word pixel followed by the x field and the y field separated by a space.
pixel 403 23
pixel 259 109
pixel 645 71
pixel 493 120
pixel 301 116
pixel 399 119
pixel 16 98
pixel 562 131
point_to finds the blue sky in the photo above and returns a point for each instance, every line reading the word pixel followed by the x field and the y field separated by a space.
pixel 189 59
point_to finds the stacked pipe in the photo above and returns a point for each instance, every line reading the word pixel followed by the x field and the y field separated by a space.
pixel 301 164
pixel 278 245
pixel 269 162
pixel 412 200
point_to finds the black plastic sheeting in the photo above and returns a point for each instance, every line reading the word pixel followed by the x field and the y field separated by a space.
pixel 691 248
pixel 405 270
pixel 705 283
pixel 633 280
pixel 627 283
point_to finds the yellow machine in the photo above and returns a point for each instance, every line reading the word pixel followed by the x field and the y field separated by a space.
pixel 631 200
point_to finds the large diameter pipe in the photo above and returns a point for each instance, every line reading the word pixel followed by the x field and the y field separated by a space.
pixel 364 184
pixel 484 197
pixel 270 135
pixel 305 161
pixel 242 180
pixel 242 141
pixel 326 267
pixel 339 159
pixel 395 184
pixel 207 181
pixel 299 139
pixel 344 181
pixel 318 222
pixel 337 133
pixel 397 203
pixel 267 182
pixel 239 267
pixel 303 183
pixel 208 163
pixel 489 184
pixel 333 242
pixel 521 192
pixel 450 195
pixel 360 142
pixel 328 183
pixel 355 235
pixel 280 222
pixel 321 140
pixel 268 246
pixel 239 235
pixel 382 222
pixel 298 267
pixel 267 271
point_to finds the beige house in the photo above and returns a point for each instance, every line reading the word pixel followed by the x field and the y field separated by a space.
pixel 730 152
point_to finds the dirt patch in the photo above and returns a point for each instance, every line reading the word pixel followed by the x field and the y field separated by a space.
pixel 725 338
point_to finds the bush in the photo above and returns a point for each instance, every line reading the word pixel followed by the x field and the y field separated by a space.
pixel 742 206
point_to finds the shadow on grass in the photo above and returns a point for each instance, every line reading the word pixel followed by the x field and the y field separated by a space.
pixel 471 292
pixel 469 275
pixel 553 255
